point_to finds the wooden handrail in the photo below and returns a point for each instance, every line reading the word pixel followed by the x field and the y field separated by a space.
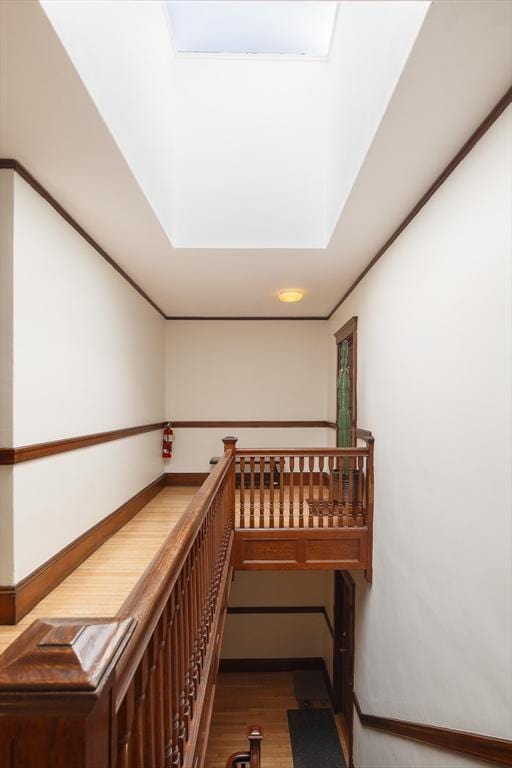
pixel 364 434
pixel 276 452
pixel 135 690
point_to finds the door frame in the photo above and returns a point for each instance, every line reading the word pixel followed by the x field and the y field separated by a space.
pixel 344 616
pixel 348 332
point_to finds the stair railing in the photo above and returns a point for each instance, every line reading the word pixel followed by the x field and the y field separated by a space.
pixel 134 690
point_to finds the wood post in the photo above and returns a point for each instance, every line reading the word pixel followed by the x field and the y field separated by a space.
pixel 230 447
pixel 370 440
pixel 55 693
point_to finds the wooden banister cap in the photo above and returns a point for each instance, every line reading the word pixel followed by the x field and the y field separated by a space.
pixel 63 654
pixel 254 732
pixel 229 442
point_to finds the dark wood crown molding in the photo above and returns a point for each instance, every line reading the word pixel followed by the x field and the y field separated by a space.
pixel 254 424
pixel 17 600
pixel 487 748
pixel 475 137
pixel 16 166
pixel 39 450
pixel 245 317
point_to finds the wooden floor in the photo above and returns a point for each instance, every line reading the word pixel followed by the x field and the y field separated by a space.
pixel 103 581
pixel 245 699
pixel 254 698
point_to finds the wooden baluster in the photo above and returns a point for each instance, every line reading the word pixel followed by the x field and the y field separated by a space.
pixel 301 491
pixel 281 491
pixel 176 751
pixel 331 494
pixel 149 708
pixel 311 518
pixel 321 491
pixel 124 729
pixel 251 492
pixel 179 649
pixel 359 492
pixel 271 492
pixel 351 490
pixel 339 491
pixel 291 503
pixel 191 605
pixel 160 691
pixel 242 492
pixel 138 730
pixel 261 523
pixel 168 686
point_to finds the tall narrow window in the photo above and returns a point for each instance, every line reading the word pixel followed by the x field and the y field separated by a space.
pixel 346 409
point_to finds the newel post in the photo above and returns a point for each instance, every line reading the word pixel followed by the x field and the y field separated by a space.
pixel 255 737
pixel 55 693
pixel 230 446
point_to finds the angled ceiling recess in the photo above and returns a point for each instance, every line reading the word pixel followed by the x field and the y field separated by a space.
pixel 203 163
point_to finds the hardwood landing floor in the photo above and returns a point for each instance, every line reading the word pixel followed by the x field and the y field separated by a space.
pixel 101 584
pixel 245 699
pixel 255 698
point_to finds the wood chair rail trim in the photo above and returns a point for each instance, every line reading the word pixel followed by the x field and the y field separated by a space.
pixel 487 748
pixel 17 600
pixel 40 450
pixel 253 423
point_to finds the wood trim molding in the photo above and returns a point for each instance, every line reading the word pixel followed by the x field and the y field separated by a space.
pixel 17 600
pixel 487 748
pixel 245 317
pixel 8 163
pixel 254 424
pixel 349 329
pixel 39 450
pixel 185 479
pixel 281 609
pixel 466 148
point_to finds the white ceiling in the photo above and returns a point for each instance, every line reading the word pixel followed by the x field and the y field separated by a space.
pixel 457 70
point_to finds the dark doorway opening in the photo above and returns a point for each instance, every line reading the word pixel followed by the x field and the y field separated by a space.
pixel 343 653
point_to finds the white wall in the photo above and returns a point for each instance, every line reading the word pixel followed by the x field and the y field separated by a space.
pixel 244 370
pixel 434 632
pixel 89 356
pixel 286 635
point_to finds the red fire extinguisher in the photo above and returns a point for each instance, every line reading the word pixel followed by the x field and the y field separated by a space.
pixel 167 442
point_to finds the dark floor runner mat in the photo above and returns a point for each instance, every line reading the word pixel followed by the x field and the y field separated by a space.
pixel 314 738
pixel 309 685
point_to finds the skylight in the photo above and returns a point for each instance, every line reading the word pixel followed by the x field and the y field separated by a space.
pixel 268 27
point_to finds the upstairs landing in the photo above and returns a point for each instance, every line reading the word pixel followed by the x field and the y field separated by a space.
pixel 102 583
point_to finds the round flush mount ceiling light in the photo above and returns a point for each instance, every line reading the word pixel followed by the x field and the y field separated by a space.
pixel 291 295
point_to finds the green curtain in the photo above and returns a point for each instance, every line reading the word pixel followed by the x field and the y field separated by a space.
pixel 344 416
